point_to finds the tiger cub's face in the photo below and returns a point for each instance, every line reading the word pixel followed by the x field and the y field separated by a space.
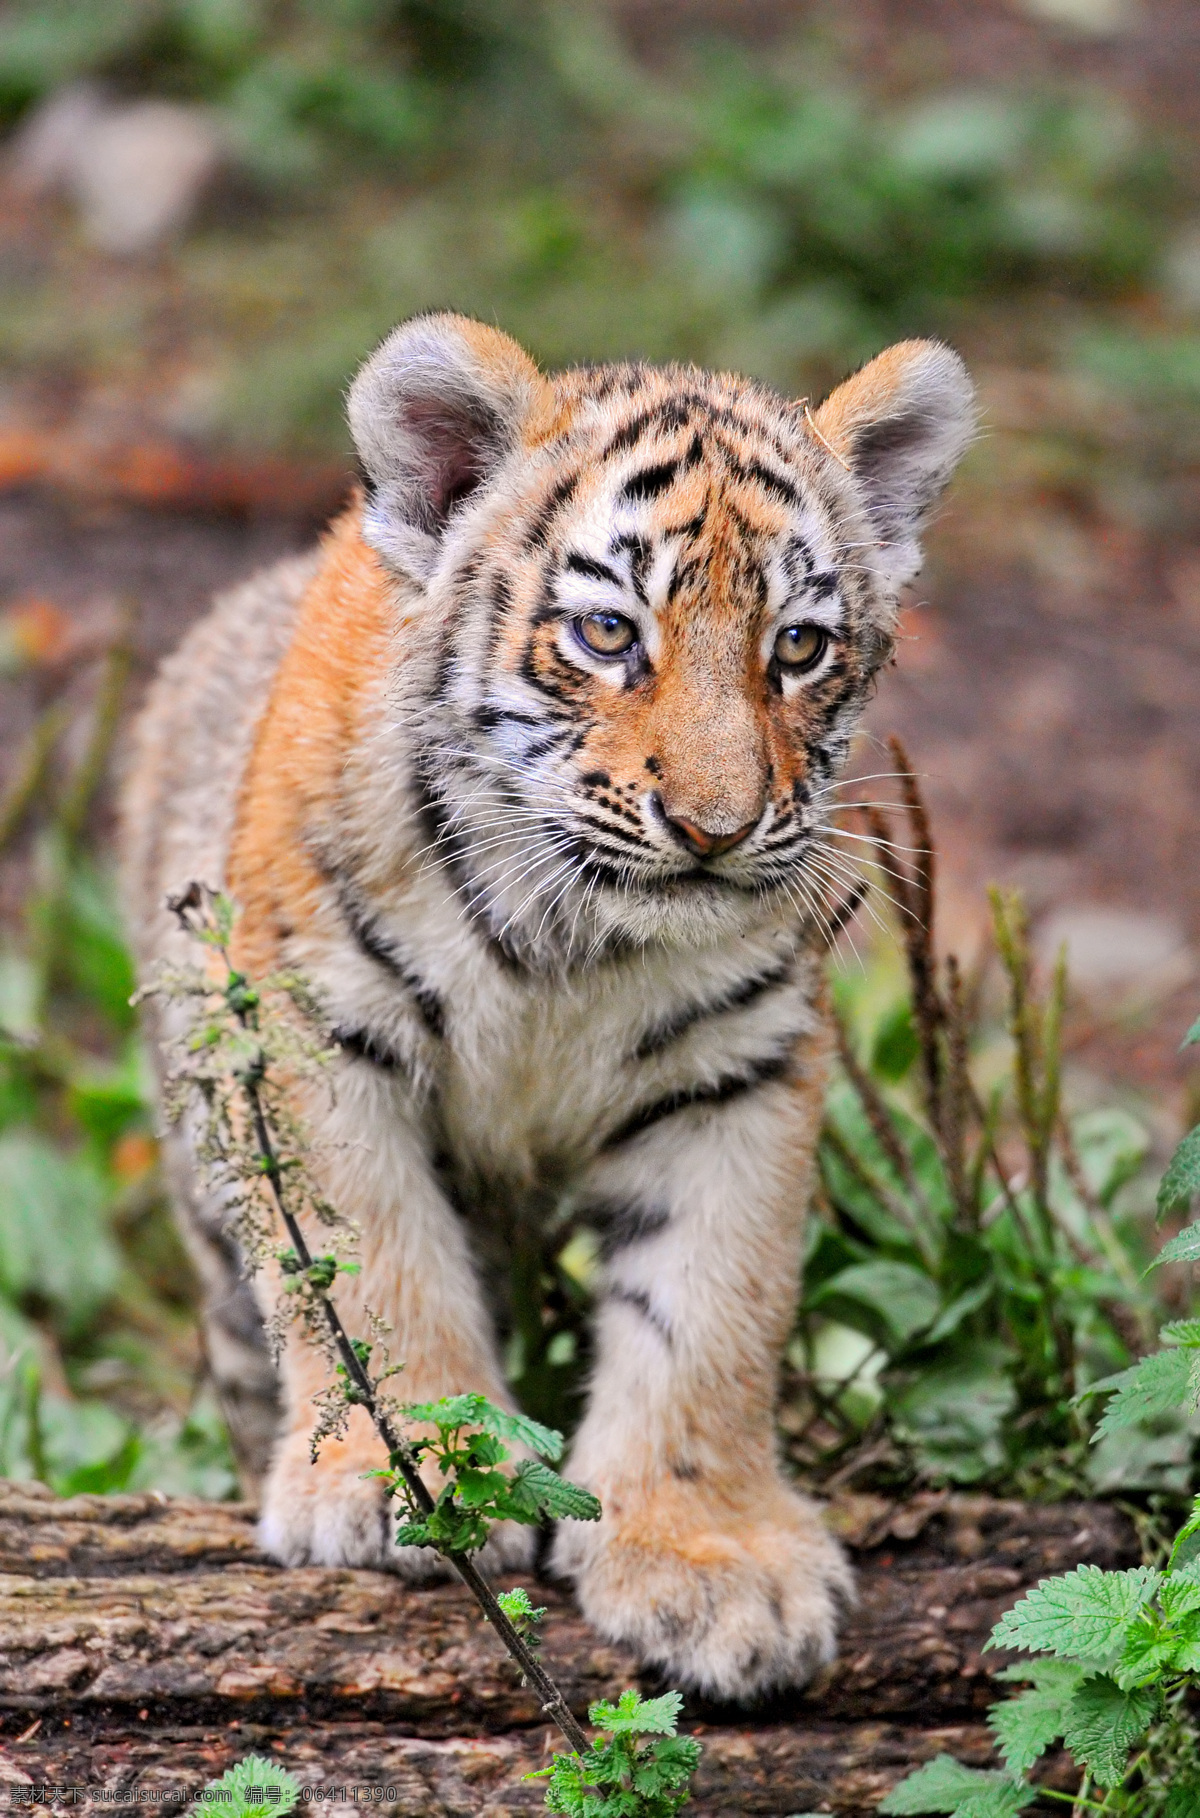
pixel 654 601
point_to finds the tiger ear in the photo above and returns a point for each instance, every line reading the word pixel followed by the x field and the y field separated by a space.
pixel 901 425
pixel 433 412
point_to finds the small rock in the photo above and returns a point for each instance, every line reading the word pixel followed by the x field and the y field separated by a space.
pixel 135 170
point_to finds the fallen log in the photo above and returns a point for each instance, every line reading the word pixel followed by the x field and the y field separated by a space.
pixel 146 1645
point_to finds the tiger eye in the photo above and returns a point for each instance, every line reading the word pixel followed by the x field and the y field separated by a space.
pixel 607 633
pixel 800 646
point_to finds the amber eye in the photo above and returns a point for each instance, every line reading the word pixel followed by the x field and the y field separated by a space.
pixel 607 633
pixel 800 646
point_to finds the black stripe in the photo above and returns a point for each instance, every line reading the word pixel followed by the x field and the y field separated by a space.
pixel 621 1224
pixel 595 571
pixel 640 1301
pixel 648 483
pixel 369 939
pixel 774 482
pixel 453 851
pixel 734 1085
pixel 620 834
pixel 363 1045
pixel 663 1034
pixel 625 438
pixel 487 717
pixel 546 743
pixel 560 494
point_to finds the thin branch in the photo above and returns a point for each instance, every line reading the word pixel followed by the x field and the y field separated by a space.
pixel 400 1454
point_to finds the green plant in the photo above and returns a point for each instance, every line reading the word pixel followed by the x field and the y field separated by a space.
pixel 641 1768
pixel 254 1788
pixel 1123 1666
pixel 243 1036
pixel 100 1388
pixel 968 1270
pixel 519 160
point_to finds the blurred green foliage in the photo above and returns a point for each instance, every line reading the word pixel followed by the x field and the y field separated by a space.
pixel 101 1380
pixel 515 160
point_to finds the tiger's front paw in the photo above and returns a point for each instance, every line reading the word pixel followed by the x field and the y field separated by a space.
pixel 330 1513
pixel 732 1601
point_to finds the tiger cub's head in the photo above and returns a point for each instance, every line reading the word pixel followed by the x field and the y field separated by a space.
pixel 649 602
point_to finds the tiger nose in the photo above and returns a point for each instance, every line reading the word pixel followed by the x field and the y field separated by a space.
pixel 705 844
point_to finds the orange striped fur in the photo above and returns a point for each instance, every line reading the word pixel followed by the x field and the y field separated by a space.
pixel 530 771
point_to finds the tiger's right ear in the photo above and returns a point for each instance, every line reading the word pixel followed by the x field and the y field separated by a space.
pixel 433 412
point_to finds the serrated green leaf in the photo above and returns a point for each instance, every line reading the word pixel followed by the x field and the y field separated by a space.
pixel 1179 1593
pixel 1182 1178
pixel 554 1495
pixel 1025 1726
pixel 1084 1615
pixel 1181 1332
pixel 1184 1248
pixel 1187 1541
pixel 634 1715
pixel 944 1785
pixel 1193 1034
pixel 453 1412
pixel 242 1790
pixel 1104 1722
pixel 1159 1384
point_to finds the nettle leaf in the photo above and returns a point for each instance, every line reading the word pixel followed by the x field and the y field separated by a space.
pixel 903 1298
pixel 1025 1726
pixel 453 1412
pixel 1184 1248
pixel 1187 1541
pixel 1182 1178
pixel 638 1716
pixel 475 1489
pixel 1103 1724
pixel 553 1495
pixel 1084 1615
pixel 944 1785
pixel 1150 1646
pixel 1179 1592
pixel 253 1788
pixel 1160 1384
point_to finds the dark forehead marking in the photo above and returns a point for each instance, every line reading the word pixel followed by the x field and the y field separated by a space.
pixel 692 528
pixel 589 566
pixel 640 551
pixel 560 494
pixel 648 483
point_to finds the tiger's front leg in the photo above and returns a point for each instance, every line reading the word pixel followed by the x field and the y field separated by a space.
pixel 706 1560
pixel 417 1274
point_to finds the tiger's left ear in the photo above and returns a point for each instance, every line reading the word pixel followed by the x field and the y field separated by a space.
pixel 901 425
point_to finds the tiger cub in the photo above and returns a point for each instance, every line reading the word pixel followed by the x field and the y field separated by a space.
pixel 526 769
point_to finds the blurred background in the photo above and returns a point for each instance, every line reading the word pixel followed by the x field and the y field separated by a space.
pixel 210 209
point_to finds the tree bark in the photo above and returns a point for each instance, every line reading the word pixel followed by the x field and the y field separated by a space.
pixel 146 1644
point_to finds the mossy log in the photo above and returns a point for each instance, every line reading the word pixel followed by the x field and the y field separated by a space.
pixel 146 1644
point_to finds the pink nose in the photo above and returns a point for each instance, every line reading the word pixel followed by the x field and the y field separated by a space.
pixel 705 844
